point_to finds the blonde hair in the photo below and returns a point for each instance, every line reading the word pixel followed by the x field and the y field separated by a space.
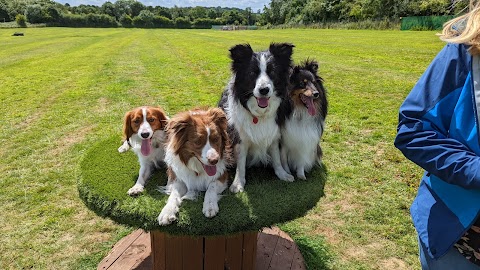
pixel 464 29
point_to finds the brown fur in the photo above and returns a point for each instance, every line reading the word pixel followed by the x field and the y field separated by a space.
pixel 134 118
pixel 307 91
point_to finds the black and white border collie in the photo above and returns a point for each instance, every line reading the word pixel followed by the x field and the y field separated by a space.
pixel 251 101
pixel 305 119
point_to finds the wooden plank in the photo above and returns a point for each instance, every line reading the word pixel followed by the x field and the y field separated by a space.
pixel 134 254
pixel 234 251
pixel 157 239
pixel 118 249
pixel 265 248
pixel 249 250
pixel 192 249
pixel 173 252
pixel 214 253
pixel 283 254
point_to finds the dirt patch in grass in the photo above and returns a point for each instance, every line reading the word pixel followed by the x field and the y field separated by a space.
pixel 393 263
pixel 68 140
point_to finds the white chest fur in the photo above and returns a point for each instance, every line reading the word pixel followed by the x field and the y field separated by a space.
pixel 256 137
pixel 158 151
pixel 300 136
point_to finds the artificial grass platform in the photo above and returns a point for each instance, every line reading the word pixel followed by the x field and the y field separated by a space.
pixel 106 175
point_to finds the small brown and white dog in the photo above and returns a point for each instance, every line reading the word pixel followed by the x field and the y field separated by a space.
pixel 197 154
pixel 144 133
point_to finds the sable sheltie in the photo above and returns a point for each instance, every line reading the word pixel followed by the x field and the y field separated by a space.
pixel 305 119
pixel 251 101
pixel 143 132
pixel 197 154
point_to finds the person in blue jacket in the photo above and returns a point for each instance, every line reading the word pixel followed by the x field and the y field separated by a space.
pixel 438 130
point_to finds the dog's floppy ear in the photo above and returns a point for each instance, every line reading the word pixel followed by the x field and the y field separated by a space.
pixel 176 130
pixel 127 125
pixel 240 54
pixel 218 117
pixel 281 50
pixel 161 116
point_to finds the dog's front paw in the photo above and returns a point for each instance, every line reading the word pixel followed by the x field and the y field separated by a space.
pixel 283 175
pixel 167 216
pixel 236 187
pixel 301 175
pixel 135 190
pixel 124 148
pixel 210 209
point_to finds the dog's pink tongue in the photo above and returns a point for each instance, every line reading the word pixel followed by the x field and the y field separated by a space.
pixel 210 170
pixel 310 107
pixel 262 102
pixel 146 147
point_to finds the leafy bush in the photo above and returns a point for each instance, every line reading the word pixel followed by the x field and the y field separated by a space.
pixel 21 20
pixel 100 20
pixel 126 20
pixel 204 23
pixel 144 19
pixel 162 22
pixel 182 23
pixel 89 20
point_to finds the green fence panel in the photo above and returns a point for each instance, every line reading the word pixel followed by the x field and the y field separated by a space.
pixel 424 22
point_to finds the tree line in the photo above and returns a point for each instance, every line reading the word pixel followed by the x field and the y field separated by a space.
pixel 317 11
pixel 131 13
pixel 122 13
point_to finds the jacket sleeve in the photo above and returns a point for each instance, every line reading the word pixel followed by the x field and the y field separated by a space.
pixel 425 116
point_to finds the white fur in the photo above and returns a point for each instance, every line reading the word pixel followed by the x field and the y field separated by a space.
pixel 191 179
pixel 263 80
pixel 259 142
pixel 300 136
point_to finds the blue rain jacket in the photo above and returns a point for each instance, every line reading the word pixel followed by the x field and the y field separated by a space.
pixel 438 130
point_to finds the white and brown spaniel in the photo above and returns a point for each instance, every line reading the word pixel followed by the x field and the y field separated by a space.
pixel 144 133
pixel 197 154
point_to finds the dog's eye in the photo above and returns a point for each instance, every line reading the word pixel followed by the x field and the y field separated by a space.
pixel 136 121
pixel 214 139
pixel 302 84
pixel 151 120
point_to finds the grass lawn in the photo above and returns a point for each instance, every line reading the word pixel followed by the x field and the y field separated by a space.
pixel 64 89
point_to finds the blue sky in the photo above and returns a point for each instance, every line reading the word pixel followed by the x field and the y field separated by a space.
pixel 254 4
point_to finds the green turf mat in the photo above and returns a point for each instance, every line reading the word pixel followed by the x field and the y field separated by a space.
pixel 106 175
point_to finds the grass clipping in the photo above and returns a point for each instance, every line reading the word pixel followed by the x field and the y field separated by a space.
pixel 106 175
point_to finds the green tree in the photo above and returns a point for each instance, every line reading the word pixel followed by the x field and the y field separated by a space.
pixel 21 20
pixel 108 8
pixel 34 14
pixel 144 19
pixel 136 7
pixel 4 12
pixel 197 13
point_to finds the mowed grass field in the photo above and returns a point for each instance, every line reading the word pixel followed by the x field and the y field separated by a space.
pixel 62 89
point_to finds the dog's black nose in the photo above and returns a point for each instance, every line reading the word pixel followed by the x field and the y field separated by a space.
pixel 316 95
pixel 145 135
pixel 264 91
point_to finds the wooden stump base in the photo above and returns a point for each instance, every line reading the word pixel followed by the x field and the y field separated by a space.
pixel 271 249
